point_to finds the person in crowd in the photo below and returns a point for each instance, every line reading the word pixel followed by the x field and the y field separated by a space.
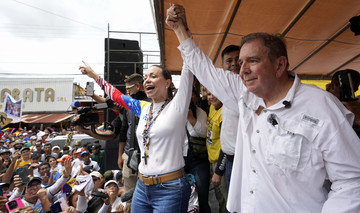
pixel 291 137
pixel 17 146
pixel 34 165
pixel 88 162
pixel 114 201
pixel 6 162
pixel 31 196
pixel 77 158
pixel 5 153
pixel 56 151
pixel 134 87
pixel 2 145
pixel 77 144
pixel 48 177
pixel 196 157
pixel 98 155
pixel 161 133
pixel 38 148
pixel 215 155
pixel 25 157
pixel 229 125
pixel 98 180
pixel 343 85
pixel 47 151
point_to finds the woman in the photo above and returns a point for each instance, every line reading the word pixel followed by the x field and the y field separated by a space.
pixel 161 186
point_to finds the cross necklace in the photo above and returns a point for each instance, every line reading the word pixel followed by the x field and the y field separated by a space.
pixel 149 123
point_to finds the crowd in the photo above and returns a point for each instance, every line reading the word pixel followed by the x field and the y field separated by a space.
pixel 37 176
pixel 250 130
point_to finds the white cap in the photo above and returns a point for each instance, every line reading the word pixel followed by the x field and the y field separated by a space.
pixel 55 147
pixel 110 181
pixel 96 174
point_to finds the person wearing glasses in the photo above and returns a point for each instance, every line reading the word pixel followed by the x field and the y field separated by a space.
pixel 135 89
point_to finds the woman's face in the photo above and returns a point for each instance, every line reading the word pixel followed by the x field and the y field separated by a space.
pixel 52 162
pixel 155 85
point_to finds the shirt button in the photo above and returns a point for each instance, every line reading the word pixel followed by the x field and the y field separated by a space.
pixel 254 170
pixel 257 131
pixel 251 192
pixel 254 151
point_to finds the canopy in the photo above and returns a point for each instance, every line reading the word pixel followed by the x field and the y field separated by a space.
pixel 45 118
pixel 317 33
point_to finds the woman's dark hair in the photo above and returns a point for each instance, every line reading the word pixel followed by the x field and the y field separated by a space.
pixel 167 75
pixel 8 159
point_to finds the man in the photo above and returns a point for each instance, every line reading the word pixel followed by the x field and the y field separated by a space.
pixel 87 162
pixel 34 166
pixel 77 144
pixel 25 157
pixel 56 151
pixel 98 156
pixel 228 134
pixel 98 180
pixel 47 151
pixel 17 146
pixel 135 88
pixel 293 136
pixel 5 153
pixel 47 177
pixel 38 148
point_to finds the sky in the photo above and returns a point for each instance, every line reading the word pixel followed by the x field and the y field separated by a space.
pixel 43 38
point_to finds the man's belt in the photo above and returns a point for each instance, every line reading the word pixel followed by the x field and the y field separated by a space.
pixel 152 180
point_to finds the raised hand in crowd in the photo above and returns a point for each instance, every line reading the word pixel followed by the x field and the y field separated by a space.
pixel 71 209
pixel 44 200
pixel 67 168
pixel 87 70
pixel 32 167
pixel 18 183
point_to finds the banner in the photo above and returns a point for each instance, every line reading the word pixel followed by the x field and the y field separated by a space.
pixel 13 107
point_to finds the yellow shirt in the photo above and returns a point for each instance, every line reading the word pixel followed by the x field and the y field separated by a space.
pixel 22 163
pixel 213 134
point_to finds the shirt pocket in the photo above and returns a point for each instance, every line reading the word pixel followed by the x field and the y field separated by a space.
pixel 290 145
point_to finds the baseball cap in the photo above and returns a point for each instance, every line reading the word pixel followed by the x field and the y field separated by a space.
pixel 110 181
pixel 96 146
pixel 4 151
pixel 55 147
pixel 79 150
pixel 84 152
pixel 32 179
pixel 38 143
pixel 33 137
pixel 35 155
pixel 22 149
pixel 63 158
pixel 28 144
pixel 96 174
pixel 19 141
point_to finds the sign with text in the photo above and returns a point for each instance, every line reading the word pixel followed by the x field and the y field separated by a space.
pixel 38 95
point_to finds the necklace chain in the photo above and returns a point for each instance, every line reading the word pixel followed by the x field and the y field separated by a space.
pixel 149 123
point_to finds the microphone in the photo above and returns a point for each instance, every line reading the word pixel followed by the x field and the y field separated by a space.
pixel 75 104
pixel 287 104
pixel 272 119
pixel 127 195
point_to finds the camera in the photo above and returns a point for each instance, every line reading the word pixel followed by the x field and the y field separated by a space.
pixel 87 118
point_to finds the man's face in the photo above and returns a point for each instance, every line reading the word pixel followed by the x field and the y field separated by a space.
pixel 35 160
pixel 44 169
pixel 132 88
pixel 257 72
pixel 25 154
pixel 97 182
pixel 230 62
pixel 32 189
pixel 85 157
pixel 38 148
pixel 95 151
pixel 18 146
pixel 47 148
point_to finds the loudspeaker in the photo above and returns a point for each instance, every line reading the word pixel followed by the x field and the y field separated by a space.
pixel 122 58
